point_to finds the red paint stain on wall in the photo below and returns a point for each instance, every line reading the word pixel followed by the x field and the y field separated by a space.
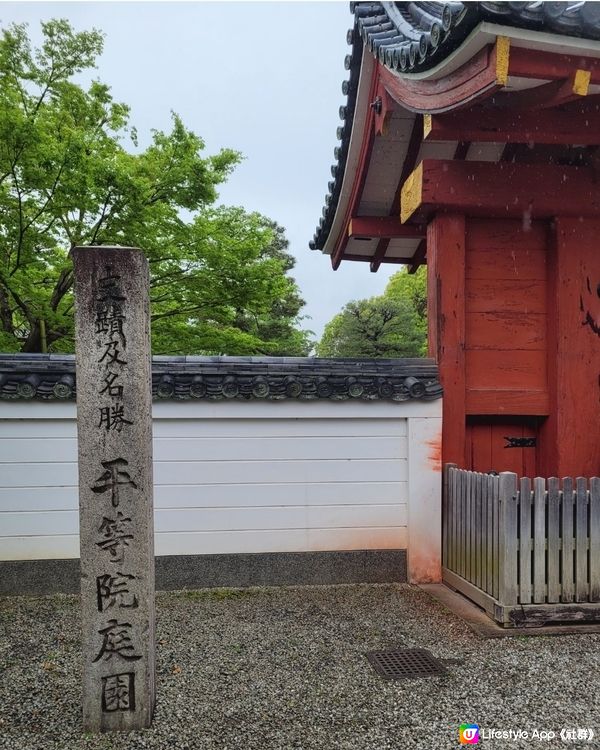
pixel 424 563
pixel 425 568
pixel 434 457
pixel 361 539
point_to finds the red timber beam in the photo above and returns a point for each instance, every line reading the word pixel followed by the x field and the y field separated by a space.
pixel 368 258
pixel 410 162
pixel 552 94
pixel 446 333
pixel 502 190
pixel 549 66
pixel 483 75
pixel 419 257
pixel 571 433
pixel 373 227
pixel 579 125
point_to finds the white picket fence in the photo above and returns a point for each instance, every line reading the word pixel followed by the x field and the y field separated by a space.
pixel 527 551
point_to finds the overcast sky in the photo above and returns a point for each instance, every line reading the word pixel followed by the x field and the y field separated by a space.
pixel 263 78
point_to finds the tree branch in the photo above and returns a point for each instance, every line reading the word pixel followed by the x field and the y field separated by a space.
pixel 64 283
pixel 20 303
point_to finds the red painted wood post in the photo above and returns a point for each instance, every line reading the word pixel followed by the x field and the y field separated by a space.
pixel 570 437
pixel 446 321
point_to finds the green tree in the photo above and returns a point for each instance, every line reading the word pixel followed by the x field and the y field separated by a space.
pixel 274 325
pixel 411 287
pixel 219 280
pixel 391 325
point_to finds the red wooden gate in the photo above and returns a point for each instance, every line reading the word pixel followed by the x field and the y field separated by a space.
pixel 502 444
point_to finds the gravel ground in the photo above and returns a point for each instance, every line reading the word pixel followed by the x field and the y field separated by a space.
pixel 283 668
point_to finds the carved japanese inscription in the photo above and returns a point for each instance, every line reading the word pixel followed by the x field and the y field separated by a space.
pixel 118 692
pixel 115 486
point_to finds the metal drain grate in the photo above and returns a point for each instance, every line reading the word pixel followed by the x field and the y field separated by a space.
pixel 405 663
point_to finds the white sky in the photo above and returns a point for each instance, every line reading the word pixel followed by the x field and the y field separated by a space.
pixel 263 78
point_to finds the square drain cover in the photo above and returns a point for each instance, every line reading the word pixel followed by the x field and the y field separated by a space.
pixel 405 663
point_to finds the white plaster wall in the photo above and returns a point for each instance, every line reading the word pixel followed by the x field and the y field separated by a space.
pixel 240 477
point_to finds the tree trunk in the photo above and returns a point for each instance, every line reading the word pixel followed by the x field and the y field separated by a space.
pixel 33 342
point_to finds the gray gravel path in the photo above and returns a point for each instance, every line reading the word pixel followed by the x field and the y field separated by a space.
pixel 276 669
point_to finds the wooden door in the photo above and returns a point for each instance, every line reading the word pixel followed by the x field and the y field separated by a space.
pixel 502 444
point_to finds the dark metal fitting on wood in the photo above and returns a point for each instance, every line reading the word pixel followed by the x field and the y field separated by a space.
pixel 377 105
pixel 520 442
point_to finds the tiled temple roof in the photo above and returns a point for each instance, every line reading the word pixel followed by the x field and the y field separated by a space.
pixel 52 377
pixel 409 37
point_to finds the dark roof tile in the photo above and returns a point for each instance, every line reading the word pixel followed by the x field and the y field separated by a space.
pixel 52 377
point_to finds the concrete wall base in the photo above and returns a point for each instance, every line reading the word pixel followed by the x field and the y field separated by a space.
pixel 41 577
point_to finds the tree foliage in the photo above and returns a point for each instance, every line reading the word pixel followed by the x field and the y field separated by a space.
pixel 219 280
pixel 391 325
pixel 413 288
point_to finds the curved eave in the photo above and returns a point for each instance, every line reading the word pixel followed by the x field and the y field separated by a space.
pixel 356 144
pixel 358 169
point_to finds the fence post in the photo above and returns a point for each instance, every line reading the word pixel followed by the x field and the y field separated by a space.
pixel 507 557
pixel 594 539
pixel 447 510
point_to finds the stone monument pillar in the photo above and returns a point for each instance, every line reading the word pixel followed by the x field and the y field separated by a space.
pixel 114 428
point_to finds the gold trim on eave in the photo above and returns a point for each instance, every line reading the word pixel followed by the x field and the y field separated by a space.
pixel 502 59
pixel 581 82
pixel 427 125
pixel 411 194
